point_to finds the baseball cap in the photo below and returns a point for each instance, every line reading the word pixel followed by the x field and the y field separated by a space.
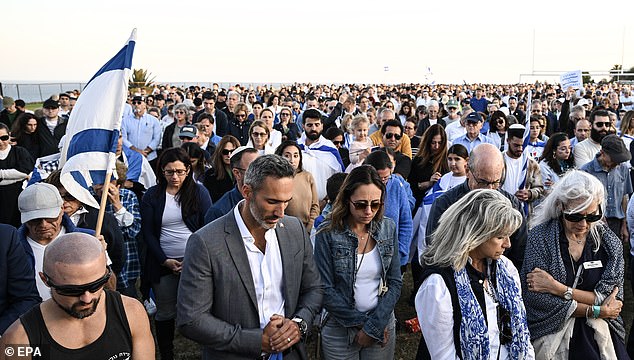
pixel 473 117
pixel 7 101
pixel 50 103
pixel 39 201
pixel 188 131
pixel 614 146
pixel 453 103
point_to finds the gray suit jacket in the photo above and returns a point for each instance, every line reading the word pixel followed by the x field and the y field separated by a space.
pixel 217 306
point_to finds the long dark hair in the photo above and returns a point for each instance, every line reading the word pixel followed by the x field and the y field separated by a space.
pixel 19 125
pixel 187 195
pixel 280 150
pixel 548 155
pixel 362 175
pixel 426 156
pixel 216 159
pixel 195 152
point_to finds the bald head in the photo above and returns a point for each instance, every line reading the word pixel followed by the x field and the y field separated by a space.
pixel 72 249
pixel 486 166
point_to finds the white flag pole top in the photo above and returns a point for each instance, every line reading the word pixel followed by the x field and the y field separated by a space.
pixel 93 127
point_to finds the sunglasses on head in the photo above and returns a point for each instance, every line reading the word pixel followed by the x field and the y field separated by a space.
pixel 577 217
pixel 362 205
pixel 5 137
pixel 393 135
pixel 78 290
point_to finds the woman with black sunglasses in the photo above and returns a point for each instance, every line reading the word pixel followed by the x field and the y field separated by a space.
pixel 573 273
pixel 15 165
pixel 469 305
pixel 219 179
pixel 356 252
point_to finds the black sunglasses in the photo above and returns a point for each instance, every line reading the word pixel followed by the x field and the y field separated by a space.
pixel 226 151
pixel 603 124
pixel 338 142
pixel 576 217
pixel 362 205
pixel 137 102
pixel 393 135
pixel 5 137
pixel 78 290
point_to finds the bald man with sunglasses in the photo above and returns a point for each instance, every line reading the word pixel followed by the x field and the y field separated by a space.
pixel 81 320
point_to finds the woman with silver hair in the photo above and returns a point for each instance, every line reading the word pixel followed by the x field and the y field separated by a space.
pixel 171 134
pixel 573 274
pixel 470 304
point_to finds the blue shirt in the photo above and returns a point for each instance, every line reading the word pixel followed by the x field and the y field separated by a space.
pixel 617 184
pixel 141 133
pixel 470 145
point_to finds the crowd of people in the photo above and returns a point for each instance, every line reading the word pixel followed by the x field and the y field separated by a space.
pixel 247 218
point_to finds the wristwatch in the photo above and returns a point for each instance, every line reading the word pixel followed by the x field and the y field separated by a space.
pixel 303 327
pixel 568 294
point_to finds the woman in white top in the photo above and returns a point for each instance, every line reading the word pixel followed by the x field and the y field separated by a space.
pixel 470 303
pixel 275 136
pixel 170 212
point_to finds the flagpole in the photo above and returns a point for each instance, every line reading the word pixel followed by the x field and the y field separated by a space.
pixel 105 190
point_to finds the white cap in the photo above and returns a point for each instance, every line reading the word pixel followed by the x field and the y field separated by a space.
pixel 39 201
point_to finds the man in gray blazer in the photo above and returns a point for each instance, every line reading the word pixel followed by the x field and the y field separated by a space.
pixel 249 287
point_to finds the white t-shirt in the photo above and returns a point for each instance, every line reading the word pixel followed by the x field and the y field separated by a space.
pixel 174 232
pixel 366 285
pixel 513 172
pixel 38 253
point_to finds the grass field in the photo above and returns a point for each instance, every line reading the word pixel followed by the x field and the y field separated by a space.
pixel 406 343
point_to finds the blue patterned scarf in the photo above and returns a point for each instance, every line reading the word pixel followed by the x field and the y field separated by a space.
pixel 474 337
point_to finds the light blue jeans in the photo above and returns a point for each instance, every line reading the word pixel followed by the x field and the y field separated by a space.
pixel 338 343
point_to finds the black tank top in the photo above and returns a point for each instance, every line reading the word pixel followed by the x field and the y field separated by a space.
pixel 115 343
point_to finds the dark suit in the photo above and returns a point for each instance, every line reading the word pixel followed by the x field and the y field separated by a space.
pixel 217 305
pixel 18 292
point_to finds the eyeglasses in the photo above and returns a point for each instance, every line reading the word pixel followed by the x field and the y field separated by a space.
pixel 482 182
pixel 500 121
pixel 577 217
pixel 226 151
pixel 338 142
pixel 179 172
pixel 137 102
pixel 78 290
pixel 603 124
pixel 5 137
pixel 241 116
pixel 285 114
pixel 258 134
pixel 362 205
pixel 179 112
pixel 393 135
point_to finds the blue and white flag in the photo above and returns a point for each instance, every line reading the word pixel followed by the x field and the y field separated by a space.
pixel 93 128
pixel 527 136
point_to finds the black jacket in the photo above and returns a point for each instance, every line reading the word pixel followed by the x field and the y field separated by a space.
pixel 49 143
pixel 18 292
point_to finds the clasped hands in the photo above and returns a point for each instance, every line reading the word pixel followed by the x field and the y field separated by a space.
pixel 280 334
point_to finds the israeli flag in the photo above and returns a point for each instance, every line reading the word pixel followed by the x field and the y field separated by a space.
pixel 93 128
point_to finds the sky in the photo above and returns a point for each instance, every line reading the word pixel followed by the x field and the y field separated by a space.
pixel 328 41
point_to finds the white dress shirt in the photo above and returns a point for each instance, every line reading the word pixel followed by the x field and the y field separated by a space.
pixel 266 270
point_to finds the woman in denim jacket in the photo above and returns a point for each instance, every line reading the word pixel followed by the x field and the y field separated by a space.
pixel 356 251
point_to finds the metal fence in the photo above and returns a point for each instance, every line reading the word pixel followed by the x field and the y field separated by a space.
pixel 32 93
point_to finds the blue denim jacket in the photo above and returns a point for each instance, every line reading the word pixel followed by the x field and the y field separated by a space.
pixel 335 255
